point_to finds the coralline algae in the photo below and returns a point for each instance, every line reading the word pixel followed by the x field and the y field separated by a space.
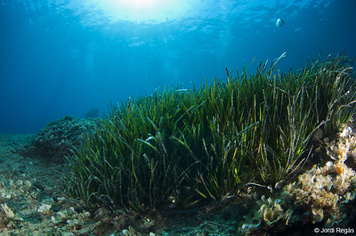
pixel 320 194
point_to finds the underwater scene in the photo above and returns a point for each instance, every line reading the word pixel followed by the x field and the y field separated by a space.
pixel 185 117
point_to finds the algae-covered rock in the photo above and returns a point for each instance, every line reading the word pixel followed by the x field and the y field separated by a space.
pixel 55 140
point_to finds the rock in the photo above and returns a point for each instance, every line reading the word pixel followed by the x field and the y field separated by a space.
pixel 55 140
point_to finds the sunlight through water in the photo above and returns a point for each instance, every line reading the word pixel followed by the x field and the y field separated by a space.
pixel 104 12
pixel 148 11
pixel 158 11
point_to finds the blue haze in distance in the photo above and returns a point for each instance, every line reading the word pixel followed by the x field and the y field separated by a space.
pixel 66 57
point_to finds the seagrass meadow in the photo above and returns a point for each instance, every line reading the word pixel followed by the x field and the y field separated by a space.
pixel 185 148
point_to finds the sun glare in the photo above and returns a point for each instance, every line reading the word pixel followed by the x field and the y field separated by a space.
pixel 153 11
pixel 135 10
pixel 137 3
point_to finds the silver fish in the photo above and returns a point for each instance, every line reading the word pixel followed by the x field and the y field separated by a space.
pixel 279 23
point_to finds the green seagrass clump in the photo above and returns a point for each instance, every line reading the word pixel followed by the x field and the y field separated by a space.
pixel 186 147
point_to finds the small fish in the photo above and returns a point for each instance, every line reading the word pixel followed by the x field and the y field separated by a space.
pixel 181 90
pixel 227 72
pixel 279 23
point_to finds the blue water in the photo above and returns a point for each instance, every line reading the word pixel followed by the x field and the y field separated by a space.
pixel 66 57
